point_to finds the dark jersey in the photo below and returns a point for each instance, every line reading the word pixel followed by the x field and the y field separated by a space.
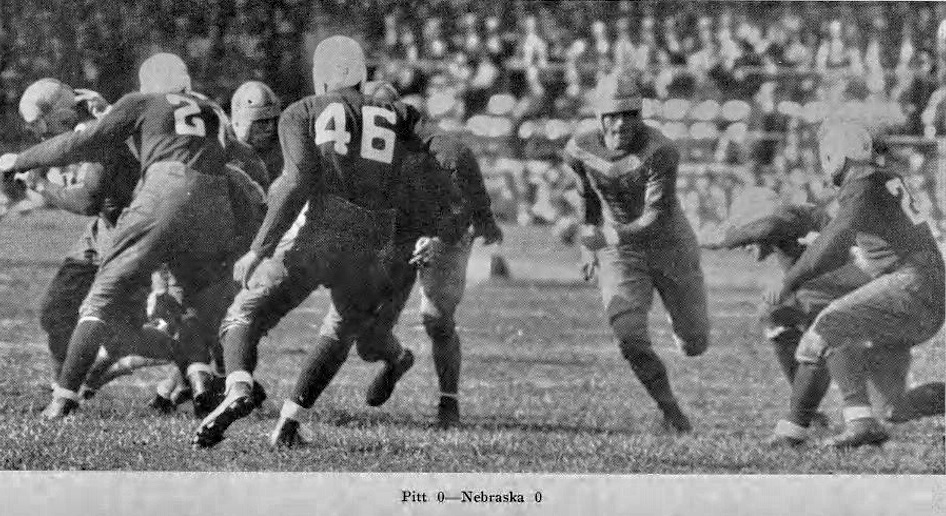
pixel 876 212
pixel 161 127
pixel 635 191
pixel 429 202
pixel 349 145
pixel 243 157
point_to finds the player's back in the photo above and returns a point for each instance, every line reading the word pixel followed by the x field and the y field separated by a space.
pixel 359 143
pixel 889 228
pixel 180 127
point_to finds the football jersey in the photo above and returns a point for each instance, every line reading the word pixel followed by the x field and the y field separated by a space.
pixel 877 213
pixel 180 127
pixel 618 186
pixel 348 145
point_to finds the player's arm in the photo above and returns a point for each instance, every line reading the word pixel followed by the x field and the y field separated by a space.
pixel 98 139
pixel 592 212
pixel 658 196
pixel 245 158
pixel 290 191
pixel 832 247
pixel 767 230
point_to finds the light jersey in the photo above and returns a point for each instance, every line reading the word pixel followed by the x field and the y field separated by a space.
pixel 875 211
pixel 349 145
pixel 620 186
pixel 159 127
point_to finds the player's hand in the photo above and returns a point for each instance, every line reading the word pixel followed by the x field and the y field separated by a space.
pixel 589 264
pixel 244 267
pixel 489 231
pixel 98 106
pixel 591 237
pixel 6 162
pixel 426 250
pixel 774 295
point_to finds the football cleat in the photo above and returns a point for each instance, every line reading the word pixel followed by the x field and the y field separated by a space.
pixel 925 400
pixel 787 435
pixel 162 404
pixel 259 394
pixel 237 404
pixel 288 433
pixel 383 385
pixel 857 433
pixel 59 408
pixel 674 420
pixel 207 392
pixel 448 413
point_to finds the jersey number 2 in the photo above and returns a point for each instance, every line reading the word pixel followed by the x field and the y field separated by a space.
pixel 377 143
pixel 185 123
pixel 896 187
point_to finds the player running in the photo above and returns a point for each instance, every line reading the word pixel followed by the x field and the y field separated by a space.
pixel 182 214
pixel 901 306
pixel 341 153
pixel 636 232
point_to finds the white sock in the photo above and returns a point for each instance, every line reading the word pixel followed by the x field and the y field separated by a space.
pixel 200 368
pixel 239 377
pixel 852 413
pixel 292 410
pixel 60 392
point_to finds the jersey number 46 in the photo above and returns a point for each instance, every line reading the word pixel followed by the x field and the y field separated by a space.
pixel 377 143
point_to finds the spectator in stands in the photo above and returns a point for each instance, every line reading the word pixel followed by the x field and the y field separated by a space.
pixel 921 83
pixel 623 46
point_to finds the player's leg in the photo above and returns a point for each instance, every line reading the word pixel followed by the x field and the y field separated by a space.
pixel 59 308
pixel 272 292
pixel 904 306
pixel 678 278
pixel 627 290
pixel 442 285
pixel 377 341
pixel 888 365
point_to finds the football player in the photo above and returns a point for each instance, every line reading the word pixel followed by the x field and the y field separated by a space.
pixel 636 232
pixel 254 115
pixel 443 277
pixel 901 306
pixel 341 151
pixel 50 107
pixel 182 214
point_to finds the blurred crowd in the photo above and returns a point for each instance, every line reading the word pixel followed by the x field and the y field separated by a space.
pixel 740 86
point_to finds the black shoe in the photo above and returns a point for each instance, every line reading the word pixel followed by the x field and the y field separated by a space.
pixel 59 408
pixel 675 420
pixel 258 395
pixel 238 404
pixel 383 385
pixel 288 434
pixel 162 404
pixel 925 400
pixel 448 413
pixel 858 433
pixel 207 392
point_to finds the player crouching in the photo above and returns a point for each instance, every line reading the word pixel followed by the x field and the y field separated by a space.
pixel 901 306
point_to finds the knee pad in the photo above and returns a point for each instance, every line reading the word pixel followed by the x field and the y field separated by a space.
pixel 812 348
pixel 438 327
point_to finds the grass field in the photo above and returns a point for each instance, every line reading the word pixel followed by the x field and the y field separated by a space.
pixel 544 387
